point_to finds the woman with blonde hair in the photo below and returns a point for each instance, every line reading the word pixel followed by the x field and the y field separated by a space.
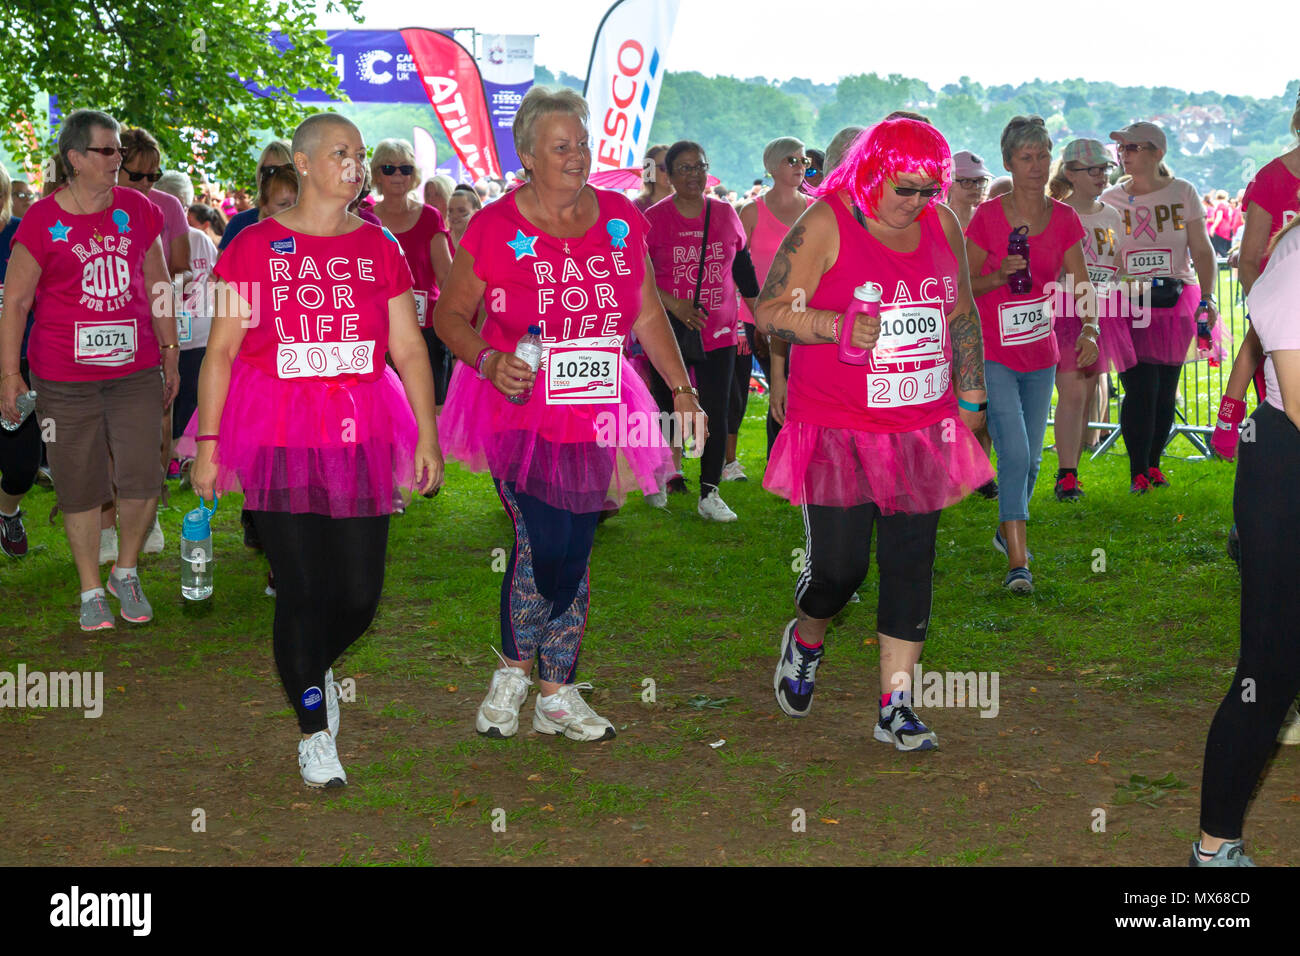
pixel 421 232
pixel 274 156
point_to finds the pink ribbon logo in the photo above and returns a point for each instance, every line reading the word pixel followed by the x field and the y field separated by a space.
pixel 1089 254
pixel 1144 224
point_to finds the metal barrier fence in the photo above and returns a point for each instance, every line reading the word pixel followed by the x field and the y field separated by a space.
pixel 1199 390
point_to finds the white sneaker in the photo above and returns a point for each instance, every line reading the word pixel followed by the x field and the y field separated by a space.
pixel 1289 732
pixel 713 508
pixel 107 545
pixel 658 500
pixel 732 471
pixel 332 704
pixel 569 714
pixel 154 543
pixel 498 715
pixel 318 759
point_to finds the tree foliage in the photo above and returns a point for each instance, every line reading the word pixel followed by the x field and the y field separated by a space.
pixel 176 68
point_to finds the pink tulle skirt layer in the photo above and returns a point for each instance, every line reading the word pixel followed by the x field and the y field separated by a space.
pixel 581 458
pixel 1168 337
pixel 1114 343
pixel 338 447
pixel 911 472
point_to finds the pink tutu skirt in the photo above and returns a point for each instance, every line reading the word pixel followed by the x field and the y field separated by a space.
pixel 339 447
pixel 1168 336
pixel 912 472
pixel 1114 341
pixel 580 458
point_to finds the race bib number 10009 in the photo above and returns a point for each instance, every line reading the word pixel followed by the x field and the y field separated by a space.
pixel 582 372
pixel 908 365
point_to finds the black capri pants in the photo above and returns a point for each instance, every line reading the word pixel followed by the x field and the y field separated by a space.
pixel 838 555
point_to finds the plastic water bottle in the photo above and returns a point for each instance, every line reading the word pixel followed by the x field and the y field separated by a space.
pixel 26 404
pixel 196 553
pixel 866 301
pixel 529 349
pixel 1204 343
pixel 1019 282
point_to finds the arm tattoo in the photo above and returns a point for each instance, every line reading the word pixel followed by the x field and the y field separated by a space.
pixel 967 351
pixel 779 273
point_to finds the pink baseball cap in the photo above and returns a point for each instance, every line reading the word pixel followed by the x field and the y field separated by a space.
pixel 1089 152
pixel 1141 133
pixel 966 165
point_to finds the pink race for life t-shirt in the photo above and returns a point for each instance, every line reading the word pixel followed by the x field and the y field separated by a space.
pixel 1277 192
pixel 319 303
pixel 906 384
pixel 674 244
pixel 1018 329
pixel 93 315
pixel 415 243
pixel 1271 304
pixel 1155 229
pixel 584 292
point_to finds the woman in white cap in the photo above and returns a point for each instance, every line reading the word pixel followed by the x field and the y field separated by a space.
pixel 1079 178
pixel 1164 239
pixel 970 180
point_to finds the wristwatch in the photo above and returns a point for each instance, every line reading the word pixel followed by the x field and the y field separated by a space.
pixel 686 388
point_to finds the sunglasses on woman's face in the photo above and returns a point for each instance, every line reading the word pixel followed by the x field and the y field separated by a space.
pixel 266 172
pixel 106 150
pixel 136 177
pixel 803 161
pixel 909 191
pixel 388 169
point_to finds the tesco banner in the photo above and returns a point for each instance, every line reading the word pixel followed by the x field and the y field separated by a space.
pixel 624 79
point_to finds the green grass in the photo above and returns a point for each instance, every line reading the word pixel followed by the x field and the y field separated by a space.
pixel 687 604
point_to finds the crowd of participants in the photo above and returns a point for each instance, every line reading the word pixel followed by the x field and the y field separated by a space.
pixel 324 340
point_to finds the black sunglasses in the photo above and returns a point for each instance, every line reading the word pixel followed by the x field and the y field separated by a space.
pixel 388 169
pixel 906 191
pixel 106 150
pixel 136 177
pixel 266 172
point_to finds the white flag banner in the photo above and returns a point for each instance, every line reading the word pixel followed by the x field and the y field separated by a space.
pixel 426 154
pixel 624 79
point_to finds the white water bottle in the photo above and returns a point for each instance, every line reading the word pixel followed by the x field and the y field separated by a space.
pixel 529 349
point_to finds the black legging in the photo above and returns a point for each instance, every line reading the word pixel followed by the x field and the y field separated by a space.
pixel 441 359
pixel 329 573
pixel 740 390
pixel 1147 413
pixel 187 396
pixel 713 377
pixel 20 451
pixel 1267 512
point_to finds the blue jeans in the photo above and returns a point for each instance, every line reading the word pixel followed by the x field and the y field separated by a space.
pixel 1017 419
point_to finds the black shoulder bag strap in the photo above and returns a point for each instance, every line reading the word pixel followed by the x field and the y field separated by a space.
pixel 704 241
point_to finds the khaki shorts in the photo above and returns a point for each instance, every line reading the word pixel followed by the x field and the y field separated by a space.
pixel 83 421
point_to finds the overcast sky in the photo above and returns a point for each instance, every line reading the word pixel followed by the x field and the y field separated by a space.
pixel 1194 48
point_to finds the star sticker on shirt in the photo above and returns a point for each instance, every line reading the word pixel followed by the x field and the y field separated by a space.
pixel 59 232
pixel 522 245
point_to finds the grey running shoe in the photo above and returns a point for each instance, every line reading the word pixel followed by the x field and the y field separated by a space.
pixel 899 725
pixel 96 614
pixel 1230 854
pixel 135 606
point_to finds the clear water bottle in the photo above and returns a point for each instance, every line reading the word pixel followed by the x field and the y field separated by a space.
pixel 1018 245
pixel 866 301
pixel 529 349
pixel 196 553
pixel 26 405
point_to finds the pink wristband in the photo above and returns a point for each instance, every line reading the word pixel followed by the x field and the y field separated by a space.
pixel 206 438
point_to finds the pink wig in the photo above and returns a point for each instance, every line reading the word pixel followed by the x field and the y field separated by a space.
pixel 881 153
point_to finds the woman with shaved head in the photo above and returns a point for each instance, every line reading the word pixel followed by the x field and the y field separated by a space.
pixel 297 407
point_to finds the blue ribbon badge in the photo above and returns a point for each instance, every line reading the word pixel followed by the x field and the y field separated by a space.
pixel 618 230
pixel 121 220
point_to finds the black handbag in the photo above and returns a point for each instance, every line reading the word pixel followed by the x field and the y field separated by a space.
pixel 689 340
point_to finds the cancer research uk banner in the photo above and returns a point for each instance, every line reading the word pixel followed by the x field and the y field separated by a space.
pixel 506 62
pixel 624 78
pixel 416 66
